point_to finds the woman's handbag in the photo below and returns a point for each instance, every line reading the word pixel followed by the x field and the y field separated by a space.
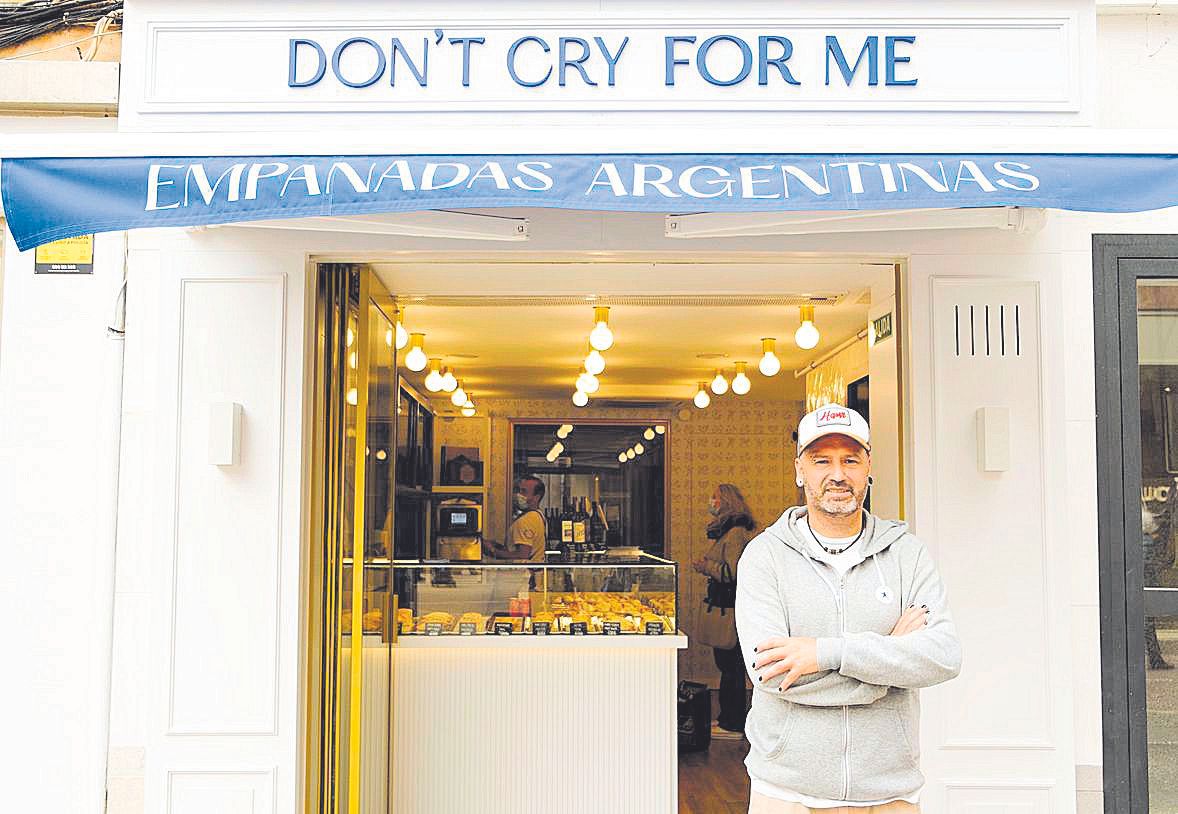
pixel 717 624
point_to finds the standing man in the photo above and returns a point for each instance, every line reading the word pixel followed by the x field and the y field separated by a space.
pixel 527 536
pixel 842 619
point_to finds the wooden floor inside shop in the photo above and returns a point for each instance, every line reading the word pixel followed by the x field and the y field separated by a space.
pixel 714 782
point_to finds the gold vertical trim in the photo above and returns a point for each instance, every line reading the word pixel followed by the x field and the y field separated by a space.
pixel 898 328
pixel 359 531
pixel 326 546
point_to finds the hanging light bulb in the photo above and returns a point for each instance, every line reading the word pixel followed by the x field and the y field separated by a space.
pixel 562 432
pixel 554 453
pixel 351 337
pixel 639 449
pixel 458 397
pixel 580 398
pixel 469 402
pixel 433 379
pixel 595 362
pixel 622 457
pixel 807 335
pixel 770 365
pixel 388 337
pixel 660 429
pixel 740 382
pixel 702 399
pixel 588 383
pixel 402 335
pixel 631 454
pixel 353 396
pixel 416 359
pixel 601 337
pixel 352 360
pixel 649 434
pixel 468 411
pixel 719 384
pixel 449 382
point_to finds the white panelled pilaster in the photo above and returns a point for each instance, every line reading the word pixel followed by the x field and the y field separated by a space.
pixel 210 555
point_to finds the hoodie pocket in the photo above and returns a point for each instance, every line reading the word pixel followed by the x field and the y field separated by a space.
pixel 882 761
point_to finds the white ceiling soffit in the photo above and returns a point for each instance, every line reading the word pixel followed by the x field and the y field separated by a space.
pixel 433 223
pixel 713 224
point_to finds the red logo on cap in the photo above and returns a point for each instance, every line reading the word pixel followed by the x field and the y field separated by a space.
pixel 833 416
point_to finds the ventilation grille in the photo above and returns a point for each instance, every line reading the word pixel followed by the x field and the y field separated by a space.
pixel 987 330
pixel 655 300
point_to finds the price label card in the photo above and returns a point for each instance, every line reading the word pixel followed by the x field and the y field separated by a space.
pixel 654 628
pixel 578 628
pixel 433 628
pixel 466 629
pixel 541 628
pixel 611 628
pixel 504 628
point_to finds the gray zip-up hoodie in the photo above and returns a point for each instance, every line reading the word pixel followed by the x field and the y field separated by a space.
pixel 850 731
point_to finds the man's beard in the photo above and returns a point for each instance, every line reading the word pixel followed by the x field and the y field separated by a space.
pixel 837 504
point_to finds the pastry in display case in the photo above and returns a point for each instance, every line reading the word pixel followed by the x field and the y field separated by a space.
pixel 626 594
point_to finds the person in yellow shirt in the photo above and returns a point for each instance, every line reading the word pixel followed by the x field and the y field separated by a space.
pixel 528 534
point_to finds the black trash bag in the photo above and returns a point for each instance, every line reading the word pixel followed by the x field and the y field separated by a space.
pixel 695 717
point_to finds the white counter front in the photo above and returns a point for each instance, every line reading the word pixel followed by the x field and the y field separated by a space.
pixel 535 725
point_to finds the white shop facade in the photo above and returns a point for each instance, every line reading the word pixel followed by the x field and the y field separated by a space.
pixel 954 169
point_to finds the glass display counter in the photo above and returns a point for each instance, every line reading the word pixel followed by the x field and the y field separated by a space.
pixel 597 594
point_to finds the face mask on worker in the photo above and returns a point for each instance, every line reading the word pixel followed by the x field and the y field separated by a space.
pixel 714 508
pixel 521 501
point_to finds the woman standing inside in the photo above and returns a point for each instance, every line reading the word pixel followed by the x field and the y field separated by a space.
pixel 730 530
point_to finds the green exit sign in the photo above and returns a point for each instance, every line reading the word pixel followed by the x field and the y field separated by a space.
pixel 881 327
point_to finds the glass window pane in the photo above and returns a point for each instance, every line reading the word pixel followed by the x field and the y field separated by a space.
pixel 1157 342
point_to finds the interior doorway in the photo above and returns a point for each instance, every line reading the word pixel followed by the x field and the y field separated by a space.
pixel 442 384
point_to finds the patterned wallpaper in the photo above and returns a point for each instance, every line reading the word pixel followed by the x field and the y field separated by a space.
pixel 748 443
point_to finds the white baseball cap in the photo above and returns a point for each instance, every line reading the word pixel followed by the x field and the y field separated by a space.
pixel 833 419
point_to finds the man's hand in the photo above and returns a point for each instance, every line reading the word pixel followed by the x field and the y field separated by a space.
pixel 912 619
pixel 791 656
pixel 700 566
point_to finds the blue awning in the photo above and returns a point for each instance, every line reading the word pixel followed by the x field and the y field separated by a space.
pixel 47 199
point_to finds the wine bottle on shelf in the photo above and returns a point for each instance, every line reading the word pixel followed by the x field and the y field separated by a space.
pixel 580 520
pixel 597 527
pixel 566 525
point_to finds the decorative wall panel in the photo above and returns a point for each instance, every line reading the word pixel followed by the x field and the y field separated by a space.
pixel 228 519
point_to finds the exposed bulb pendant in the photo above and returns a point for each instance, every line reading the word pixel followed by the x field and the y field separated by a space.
pixel 588 383
pixel 770 365
pixel 807 335
pixel 402 336
pixel 660 429
pixel 719 384
pixel 649 434
pixel 562 432
pixel 416 359
pixel 631 454
pixel 468 411
pixel 601 337
pixel 740 382
pixel 580 398
pixel 433 380
pixel 622 457
pixel 449 382
pixel 595 362
pixel 458 397
pixel 702 399
pixel 639 449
